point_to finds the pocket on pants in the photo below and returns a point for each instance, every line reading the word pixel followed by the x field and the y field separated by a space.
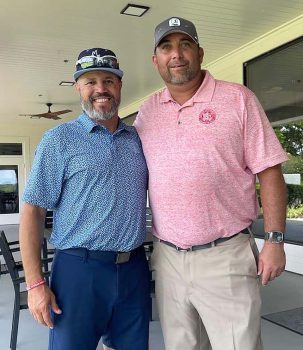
pixel 254 250
pixel 250 256
pixel 242 254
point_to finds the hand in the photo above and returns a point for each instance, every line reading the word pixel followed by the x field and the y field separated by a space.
pixel 271 261
pixel 40 300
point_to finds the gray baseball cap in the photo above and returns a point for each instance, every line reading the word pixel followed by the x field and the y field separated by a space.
pixel 175 25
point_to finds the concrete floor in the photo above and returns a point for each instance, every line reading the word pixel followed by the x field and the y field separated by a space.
pixel 283 294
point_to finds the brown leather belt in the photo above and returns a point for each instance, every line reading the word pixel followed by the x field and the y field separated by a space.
pixel 206 245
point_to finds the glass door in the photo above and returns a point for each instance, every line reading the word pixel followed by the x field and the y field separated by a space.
pixel 11 189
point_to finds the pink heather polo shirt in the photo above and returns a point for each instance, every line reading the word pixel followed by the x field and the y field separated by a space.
pixel 202 159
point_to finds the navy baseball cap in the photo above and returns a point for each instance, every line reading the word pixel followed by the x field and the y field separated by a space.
pixel 175 25
pixel 97 59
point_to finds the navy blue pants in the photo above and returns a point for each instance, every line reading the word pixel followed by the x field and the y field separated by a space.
pixel 97 298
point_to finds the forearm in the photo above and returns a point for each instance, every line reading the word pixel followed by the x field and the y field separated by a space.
pixel 40 299
pixel 30 237
pixel 273 198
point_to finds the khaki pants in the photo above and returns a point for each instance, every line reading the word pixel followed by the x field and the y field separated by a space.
pixel 209 298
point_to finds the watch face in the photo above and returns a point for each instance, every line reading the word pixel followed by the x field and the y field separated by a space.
pixel 279 237
pixel 274 236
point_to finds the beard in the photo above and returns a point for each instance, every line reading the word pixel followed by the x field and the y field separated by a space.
pixel 100 115
pixel 179 79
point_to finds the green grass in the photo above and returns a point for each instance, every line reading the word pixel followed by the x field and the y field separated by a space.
pixel 8 188
pixel 295 213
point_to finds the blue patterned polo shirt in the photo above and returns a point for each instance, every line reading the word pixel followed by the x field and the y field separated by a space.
pixel 95 182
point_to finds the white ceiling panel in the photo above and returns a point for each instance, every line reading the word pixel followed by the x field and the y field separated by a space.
pixel 40 41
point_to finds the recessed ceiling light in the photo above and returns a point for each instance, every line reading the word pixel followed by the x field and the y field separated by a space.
pixel 134 10
pixel 67 83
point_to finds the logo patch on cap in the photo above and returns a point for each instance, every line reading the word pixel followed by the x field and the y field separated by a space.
pixel 95 53
pixel 207 116
pixel 174 22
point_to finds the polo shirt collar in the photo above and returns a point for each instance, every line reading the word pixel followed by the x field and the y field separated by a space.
pixel 86 122
pixel 90 125
pixel 203 94
pixel 121 127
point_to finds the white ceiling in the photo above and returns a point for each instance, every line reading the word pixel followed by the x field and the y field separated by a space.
pixel 37 36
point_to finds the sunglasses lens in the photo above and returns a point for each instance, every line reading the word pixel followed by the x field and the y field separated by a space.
pixel 86 62
pixel 86 65
pixel 108 61
pixel 105 61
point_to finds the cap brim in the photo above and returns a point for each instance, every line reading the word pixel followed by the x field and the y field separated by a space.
pixel 174 30
pixel 117 72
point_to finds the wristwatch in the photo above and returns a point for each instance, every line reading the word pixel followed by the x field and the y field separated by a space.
pixel 274 236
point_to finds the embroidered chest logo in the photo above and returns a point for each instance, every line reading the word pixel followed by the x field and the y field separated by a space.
pixel 207 116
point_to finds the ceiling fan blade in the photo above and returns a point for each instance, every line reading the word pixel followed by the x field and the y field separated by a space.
pixel 47 115
pixel 61 112
pixel 32 115
pixel 51 116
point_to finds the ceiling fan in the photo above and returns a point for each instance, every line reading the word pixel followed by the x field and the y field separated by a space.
pixel 48 114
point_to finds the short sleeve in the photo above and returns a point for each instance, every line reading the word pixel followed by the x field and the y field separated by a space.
pixel 261 146
pixel 46 177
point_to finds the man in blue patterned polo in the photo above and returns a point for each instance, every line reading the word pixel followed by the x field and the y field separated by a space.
pixel 92 173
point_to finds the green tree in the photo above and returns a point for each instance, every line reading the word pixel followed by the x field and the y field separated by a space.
pixel 291 137
pixel 293 166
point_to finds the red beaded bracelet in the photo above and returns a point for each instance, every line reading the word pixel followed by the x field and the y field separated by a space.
pixel 36 284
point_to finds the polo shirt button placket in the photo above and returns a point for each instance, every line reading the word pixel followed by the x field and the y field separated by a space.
pixel 179 121
pixel 112 142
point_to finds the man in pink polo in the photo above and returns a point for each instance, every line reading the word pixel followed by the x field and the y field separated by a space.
pixel 205 141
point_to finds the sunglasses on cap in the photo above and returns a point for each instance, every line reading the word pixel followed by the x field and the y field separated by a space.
pixel 93 61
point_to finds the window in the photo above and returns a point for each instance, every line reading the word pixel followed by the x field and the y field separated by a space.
pixel 9 198
pixel 10 149
pixel 277 79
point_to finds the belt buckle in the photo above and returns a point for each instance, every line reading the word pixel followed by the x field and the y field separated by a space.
pixel 122 257
pixel 184 249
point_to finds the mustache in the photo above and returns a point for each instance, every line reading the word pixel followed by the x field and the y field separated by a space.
pixel 178 63
pixel 99 95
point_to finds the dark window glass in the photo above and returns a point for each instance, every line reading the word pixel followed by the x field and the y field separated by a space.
pixel 10 149
pixel 9 198
pixel 277 80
